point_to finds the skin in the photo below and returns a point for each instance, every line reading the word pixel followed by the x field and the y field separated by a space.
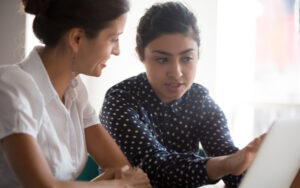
pixel 77 53
pixel 296 182
pixel 171 62
pixel 234 164
pixel 23 153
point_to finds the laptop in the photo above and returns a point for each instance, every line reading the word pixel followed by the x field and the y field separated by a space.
pixel 278 159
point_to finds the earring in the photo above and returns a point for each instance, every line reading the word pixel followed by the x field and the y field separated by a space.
pixel 72 64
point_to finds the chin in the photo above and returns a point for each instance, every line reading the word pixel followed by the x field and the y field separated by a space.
pixel 98 74
pixel 176 95
pixel 95 74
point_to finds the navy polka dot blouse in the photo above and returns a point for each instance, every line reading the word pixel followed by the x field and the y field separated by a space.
pixel 163 139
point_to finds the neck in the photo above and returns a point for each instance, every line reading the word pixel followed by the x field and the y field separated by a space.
pixel 57 62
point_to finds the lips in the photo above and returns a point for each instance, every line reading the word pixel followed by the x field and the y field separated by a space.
pixel 102 64
pixel 174 87
pixel 174 84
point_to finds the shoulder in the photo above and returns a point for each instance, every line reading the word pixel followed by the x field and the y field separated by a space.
pixel 198 92
pixel 22 101
pixel 12 74
pixel 128 87
pixel 15 80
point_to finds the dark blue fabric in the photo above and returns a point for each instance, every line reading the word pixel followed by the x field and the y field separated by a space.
pixel 164 139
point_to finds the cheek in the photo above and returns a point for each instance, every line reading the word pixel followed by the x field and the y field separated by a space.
pixel 103 50
pixel 154 76
pixel 156 73
pixel 190 72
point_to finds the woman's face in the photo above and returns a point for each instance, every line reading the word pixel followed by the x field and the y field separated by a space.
pixel 171 62
pixel 94 53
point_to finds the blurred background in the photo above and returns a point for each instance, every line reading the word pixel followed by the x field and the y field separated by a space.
pixel 249 57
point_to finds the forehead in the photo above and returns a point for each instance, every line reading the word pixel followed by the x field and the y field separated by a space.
pixel 173 43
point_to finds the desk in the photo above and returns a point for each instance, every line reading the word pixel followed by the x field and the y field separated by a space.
pixel 220 184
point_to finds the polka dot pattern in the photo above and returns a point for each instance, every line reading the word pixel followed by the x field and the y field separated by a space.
pixel 164 139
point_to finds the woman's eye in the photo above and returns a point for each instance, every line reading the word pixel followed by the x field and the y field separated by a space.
pixel 161 60
pixel 115 40
pixel 187 59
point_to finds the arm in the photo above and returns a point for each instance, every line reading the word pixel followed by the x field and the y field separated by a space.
pixel 236 163
pixel 228 162
pixel 29 165
pixel 103 148
pixel 133 131
pixel 215 139
pixel 20 125
pixel 108 155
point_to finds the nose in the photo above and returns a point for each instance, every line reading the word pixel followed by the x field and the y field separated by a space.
pixel 116 49
pixel 175 70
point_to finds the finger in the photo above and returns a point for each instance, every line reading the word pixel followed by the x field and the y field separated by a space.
pixel 146 186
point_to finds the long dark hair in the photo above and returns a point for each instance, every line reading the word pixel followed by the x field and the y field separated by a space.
pixel 55 17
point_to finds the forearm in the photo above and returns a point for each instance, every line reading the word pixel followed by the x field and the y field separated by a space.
pixel 217 167
pixel 98 184
pixel 103 148
pixel 176 170
pixel 26 160
pixel 236 163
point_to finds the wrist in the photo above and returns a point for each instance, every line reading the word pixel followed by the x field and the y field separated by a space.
pixel 228 164
pixel 218 167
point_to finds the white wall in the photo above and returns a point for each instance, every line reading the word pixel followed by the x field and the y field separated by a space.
pixel 12 29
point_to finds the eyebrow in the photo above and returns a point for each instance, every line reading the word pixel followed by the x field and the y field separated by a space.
pixel 116 34
pixel 169 54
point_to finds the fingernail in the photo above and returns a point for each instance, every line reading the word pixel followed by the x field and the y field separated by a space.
pixel 124 168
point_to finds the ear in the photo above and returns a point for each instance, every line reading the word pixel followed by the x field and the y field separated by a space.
pixel 137 52
pixel 75 37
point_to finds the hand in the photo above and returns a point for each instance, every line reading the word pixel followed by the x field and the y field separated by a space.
pixel 241 160
pixel 108 174
pixel 133 178
pixel 126 177
pixel 112 173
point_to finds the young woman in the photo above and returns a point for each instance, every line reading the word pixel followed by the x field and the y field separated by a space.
pixel 159 117
pixel 47 125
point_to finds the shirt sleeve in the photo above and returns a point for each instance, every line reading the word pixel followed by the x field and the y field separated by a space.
pixel 90 116
pixel 215 136
pixel 120 115
pixel 21 103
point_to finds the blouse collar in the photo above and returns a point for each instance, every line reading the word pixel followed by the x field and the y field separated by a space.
pixel 35 67
pixel 153 101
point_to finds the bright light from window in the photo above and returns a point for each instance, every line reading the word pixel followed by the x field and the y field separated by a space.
pixel 30 39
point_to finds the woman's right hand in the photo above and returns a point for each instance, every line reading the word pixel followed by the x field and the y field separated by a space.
pixel 126 177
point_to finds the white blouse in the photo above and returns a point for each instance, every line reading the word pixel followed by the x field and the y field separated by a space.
pixel 29 104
